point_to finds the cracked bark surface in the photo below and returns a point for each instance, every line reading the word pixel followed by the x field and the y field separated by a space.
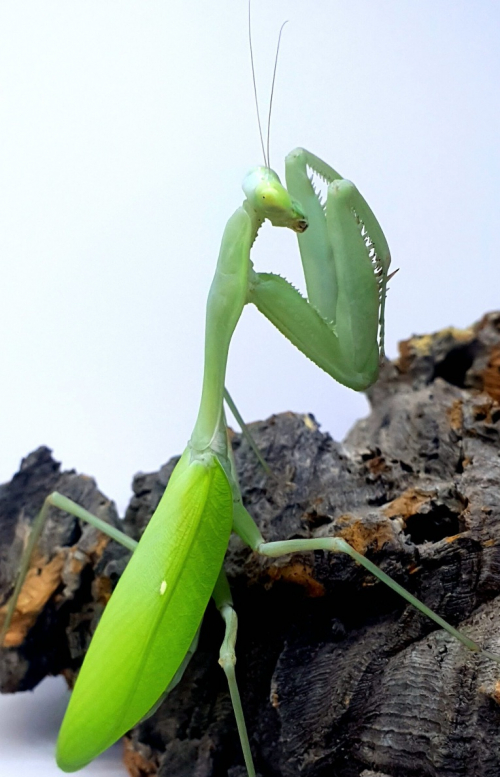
pixel 338 675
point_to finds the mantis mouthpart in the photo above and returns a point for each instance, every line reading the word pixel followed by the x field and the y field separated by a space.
pixel 149 628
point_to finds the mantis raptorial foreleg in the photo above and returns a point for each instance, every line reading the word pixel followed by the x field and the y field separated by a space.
pixel 346 258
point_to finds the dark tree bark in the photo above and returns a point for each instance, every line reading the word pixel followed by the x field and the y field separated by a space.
pixel 338 675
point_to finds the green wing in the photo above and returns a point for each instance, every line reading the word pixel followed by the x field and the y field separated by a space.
pixel 154 613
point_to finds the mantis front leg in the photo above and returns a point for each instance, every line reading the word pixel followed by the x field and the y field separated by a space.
pixel 346 259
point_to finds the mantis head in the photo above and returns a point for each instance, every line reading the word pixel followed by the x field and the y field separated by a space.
pixel 270 200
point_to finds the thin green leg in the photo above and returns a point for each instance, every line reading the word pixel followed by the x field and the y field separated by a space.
pixel 227 660
pixel 338 545
pixel 62 503
pixel 247 434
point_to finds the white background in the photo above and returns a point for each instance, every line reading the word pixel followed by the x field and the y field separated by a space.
pixel 126 129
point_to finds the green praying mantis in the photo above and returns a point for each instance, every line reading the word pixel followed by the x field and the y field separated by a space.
pixel 149 628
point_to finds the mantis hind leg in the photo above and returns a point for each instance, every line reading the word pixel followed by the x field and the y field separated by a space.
pixel 227 660
pixel 338 545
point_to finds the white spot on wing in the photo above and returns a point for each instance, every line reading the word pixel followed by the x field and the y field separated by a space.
pixel 163 587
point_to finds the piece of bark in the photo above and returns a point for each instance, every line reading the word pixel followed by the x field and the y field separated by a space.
pixel 338 675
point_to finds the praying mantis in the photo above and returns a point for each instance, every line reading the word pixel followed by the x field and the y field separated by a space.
pixel 149 628
pixel 346 264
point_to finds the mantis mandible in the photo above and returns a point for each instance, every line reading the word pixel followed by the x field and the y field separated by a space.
pixel 149 628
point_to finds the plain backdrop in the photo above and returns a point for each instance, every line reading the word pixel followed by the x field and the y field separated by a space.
pixel 126 130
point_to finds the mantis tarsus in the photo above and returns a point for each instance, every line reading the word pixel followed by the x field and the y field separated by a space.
pixel 149 628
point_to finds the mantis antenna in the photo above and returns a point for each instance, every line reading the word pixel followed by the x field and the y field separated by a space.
pixel 267 157
pixel 272 93
pixel 254 82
